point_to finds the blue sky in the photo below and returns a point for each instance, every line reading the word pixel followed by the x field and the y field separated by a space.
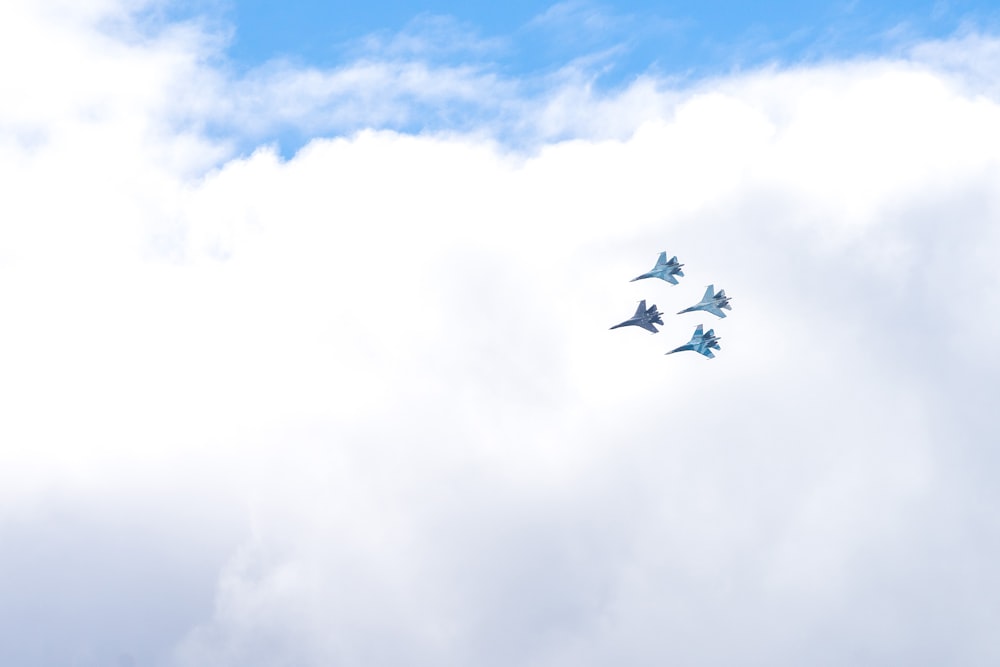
pixel 676 38
pixel 306 355
pixel 527 43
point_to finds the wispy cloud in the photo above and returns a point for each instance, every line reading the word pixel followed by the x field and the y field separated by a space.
pixel 578 16
pixel 430 36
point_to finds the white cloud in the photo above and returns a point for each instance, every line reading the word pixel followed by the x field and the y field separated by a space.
pixel 971 58
pixel 362 405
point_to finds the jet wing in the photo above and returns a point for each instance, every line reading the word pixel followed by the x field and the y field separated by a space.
pixel 648 326
pixel 641 310
pixel 712 308
pixel 662 259
pixel 708 353
pixel 699 331
pixel 709 293
pixel 669 278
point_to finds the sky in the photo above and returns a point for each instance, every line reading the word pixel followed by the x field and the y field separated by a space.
pixel 305 353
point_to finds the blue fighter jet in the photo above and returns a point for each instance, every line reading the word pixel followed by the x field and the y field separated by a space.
pixel 701 342
pixel 644 317
pixel 664 270
pixel 711 303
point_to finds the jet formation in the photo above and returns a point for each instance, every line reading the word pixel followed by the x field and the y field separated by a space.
pixel 712 302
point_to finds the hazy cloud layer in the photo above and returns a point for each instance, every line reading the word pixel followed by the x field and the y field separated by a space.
pixel 362 407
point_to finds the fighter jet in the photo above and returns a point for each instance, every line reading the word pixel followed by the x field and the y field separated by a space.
pixel 701 342
pixel 644 317
pixel 664 270
pixel 711 302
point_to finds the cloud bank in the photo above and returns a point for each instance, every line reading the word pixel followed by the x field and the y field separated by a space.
pixel 361 406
